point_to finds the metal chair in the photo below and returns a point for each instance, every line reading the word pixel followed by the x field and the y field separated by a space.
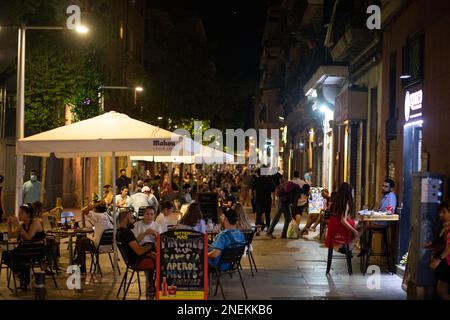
pixel 249 235
pixel 348 257
pixel 233 257
pixel 107 240
pixel 133 268
pixel 141 212
pixel 29 255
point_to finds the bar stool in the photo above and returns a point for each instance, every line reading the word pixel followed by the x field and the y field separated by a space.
pixel 348 257
pixel 384 233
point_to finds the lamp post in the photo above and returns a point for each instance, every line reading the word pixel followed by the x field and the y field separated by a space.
pixel 20 110
pixel 101 96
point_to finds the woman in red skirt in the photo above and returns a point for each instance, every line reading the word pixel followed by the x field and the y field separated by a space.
pixel 341 227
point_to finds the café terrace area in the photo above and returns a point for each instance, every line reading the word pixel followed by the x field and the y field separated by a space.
pixel 288 269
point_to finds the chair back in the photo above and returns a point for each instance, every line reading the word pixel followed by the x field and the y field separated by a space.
pixel 232 256
pixel 28 252
pixel 249 235
pixel 141 213
pixel 107 237
pixel 124 255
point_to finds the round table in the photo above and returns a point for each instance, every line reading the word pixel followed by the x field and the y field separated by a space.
pixel 70 233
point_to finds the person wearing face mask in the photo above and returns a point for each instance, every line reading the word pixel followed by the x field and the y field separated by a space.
pixel 32 188
pixel 140 256
pixel 123 181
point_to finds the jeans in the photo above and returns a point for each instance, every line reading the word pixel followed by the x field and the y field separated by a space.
pixel 282 207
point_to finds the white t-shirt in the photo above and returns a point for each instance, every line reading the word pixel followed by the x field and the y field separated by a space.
pixel 140 227
pixel 99 222
pixel 121 202
pixel 164 221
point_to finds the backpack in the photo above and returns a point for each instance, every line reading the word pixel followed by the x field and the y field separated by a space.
pixel 286 188
pixel 287 191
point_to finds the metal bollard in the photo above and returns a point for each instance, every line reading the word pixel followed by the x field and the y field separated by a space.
pixel 40 291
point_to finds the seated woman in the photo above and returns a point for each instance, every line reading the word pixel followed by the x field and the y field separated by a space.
pixel 243 223
pixel 341 227
pixel 193 219
pixel 25 228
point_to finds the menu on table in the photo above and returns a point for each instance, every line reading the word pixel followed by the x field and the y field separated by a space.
pixel 182 265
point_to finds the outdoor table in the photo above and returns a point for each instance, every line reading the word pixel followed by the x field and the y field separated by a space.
pixel 70 234
pixel 373 217
pixel 8 245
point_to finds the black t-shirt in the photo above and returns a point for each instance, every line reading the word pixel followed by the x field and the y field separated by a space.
pixel 123 182
pixel 263 187
pixel 125 236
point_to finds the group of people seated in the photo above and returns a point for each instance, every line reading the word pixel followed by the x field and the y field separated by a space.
pixel 138 238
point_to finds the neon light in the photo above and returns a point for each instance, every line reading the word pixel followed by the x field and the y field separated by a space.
pixel 415 123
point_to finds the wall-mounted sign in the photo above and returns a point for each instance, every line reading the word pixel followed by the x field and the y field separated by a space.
pixel 413 105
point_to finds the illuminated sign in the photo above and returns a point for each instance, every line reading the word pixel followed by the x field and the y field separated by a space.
pixel 413 105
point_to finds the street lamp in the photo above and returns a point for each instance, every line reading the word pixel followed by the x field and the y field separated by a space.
pixel 20 110
pixel 101 93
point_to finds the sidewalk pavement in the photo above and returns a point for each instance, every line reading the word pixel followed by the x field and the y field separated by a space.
pixel 287 270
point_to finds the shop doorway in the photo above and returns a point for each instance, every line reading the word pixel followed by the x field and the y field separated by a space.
pixel 412 150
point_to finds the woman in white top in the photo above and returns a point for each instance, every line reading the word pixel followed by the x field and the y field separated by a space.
pixel 123 198
pixel 147 229
pixel 193 219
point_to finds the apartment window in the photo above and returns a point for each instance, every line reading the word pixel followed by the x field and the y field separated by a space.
pixel 413 57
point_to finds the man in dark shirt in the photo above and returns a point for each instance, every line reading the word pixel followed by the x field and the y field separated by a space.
pixel 140 256
pixel 263 188
pixel 123 180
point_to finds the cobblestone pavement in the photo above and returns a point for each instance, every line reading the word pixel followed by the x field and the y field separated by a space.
pixel 287 269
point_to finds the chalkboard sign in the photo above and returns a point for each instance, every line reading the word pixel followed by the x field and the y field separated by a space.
pixel 209 205
pixel 182 265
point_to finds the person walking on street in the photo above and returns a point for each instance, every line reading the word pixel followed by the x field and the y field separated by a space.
pixel 263 188
pixel 287 194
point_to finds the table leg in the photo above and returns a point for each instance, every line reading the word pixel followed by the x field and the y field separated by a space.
pixel 70 250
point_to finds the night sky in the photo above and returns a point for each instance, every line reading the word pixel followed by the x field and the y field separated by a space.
pixel 235 27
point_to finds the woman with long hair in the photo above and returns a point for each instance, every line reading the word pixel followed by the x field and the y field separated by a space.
pixel 341 227
pixel 193 219
pixel 244 223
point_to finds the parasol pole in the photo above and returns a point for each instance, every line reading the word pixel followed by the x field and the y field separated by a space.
pixel 114 215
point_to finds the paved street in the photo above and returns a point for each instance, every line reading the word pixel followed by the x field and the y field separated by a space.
pixel 287 269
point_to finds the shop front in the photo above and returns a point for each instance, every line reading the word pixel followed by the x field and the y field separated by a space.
pixel 412 158
pixel 351 116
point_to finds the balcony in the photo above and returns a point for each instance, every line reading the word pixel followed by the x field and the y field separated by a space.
pixel 350 44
